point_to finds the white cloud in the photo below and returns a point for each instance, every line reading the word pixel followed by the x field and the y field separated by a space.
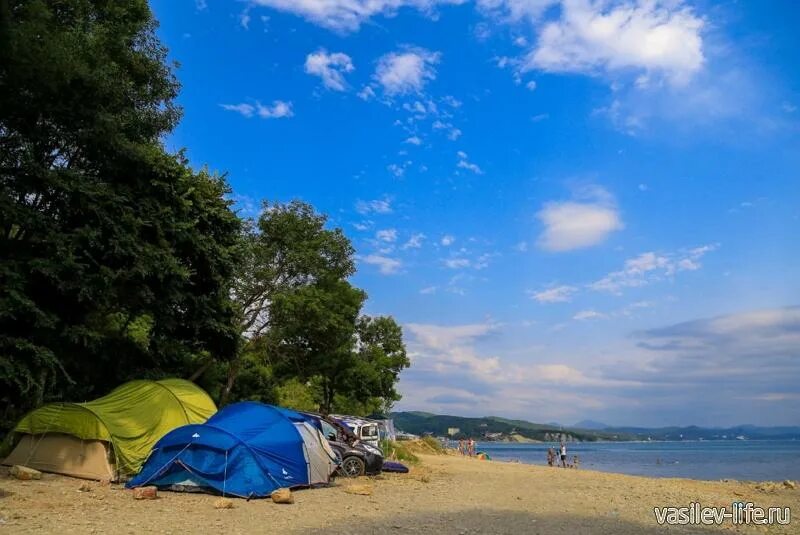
pixel 387 235
pixel 658 37
pixel 396 170
pixel 413 140
pixel 386 265
pixel 649 267
pixel 428 290
pixel 414 242
pixel 330 67
pixel 279 109
pixel 457 263
pixel 572 225
pixel 557 294
pixel 401 73
pixel 376 206
pixel 588 315
pixel 348 15
pixel 464 163
pixel 447 240
pixel 367 93
pixel 514 10
pixel 531 86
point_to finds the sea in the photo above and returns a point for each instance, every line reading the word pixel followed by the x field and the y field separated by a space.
pixel 747 460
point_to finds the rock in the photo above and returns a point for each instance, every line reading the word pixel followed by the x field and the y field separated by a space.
pixel 223 503
pixel 363 490
pixel 145 493
pixel 85 487
pixel 282 496
pixel 24 473
pixel 789 484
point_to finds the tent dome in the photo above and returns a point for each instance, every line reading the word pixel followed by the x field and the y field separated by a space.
pixel 247 449
pixel 131 419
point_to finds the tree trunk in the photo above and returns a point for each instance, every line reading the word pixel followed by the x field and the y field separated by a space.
pixel 199 373
pixel 233 371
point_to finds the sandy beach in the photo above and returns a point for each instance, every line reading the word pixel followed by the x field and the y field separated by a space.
pixel 443 494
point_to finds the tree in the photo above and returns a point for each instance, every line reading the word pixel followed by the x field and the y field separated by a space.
pixel 314 331
pixel 381 356
pixel 115 257
pixel 287 250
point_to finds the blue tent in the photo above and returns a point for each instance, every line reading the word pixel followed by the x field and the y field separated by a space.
pixel 247 449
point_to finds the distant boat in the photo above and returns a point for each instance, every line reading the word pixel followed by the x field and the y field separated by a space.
pixel 741 437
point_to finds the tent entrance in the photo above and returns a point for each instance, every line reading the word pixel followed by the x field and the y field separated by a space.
pixel 65 454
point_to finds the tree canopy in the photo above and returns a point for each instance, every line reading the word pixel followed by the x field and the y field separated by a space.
pixel 118 260
pixel 115 257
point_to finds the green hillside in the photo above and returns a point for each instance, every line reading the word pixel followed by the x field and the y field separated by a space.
pixel 492 428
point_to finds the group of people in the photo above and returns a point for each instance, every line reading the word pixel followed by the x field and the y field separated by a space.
pixel 553 459
pixel 466 447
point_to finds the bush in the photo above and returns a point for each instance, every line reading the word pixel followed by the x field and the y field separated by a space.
pixel 398 451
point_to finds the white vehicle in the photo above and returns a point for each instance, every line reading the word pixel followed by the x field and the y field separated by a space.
pixel 366 430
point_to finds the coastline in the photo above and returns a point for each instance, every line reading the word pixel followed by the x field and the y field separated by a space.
pixel 443 494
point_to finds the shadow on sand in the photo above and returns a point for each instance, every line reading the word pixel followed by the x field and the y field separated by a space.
pixel 491 521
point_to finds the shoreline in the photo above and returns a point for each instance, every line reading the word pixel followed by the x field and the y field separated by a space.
pixel 442 494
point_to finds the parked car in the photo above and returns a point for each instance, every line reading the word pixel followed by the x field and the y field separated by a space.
pixel 366 430
pixel 356 458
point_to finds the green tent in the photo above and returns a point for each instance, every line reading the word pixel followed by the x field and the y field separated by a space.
pixel 112 436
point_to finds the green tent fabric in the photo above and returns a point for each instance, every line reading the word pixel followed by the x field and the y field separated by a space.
pixel 132 418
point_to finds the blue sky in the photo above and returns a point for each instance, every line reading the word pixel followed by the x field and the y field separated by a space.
pixel 576 208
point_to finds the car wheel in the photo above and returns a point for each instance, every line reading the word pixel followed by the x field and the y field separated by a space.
pixel 353 467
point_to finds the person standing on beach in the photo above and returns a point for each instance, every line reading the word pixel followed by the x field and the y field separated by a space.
pixel 563 455
pixel 551 456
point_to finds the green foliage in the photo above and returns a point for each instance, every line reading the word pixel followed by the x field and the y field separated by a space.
pixel 433 444
pixel 300 314
pixel 118 261
pixel 115 257
pixel 398 451
pixel 299 396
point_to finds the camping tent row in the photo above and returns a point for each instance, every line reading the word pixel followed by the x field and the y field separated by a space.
pixel 247 449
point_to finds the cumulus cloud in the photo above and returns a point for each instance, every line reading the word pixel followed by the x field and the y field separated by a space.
pixel 413 140
pixel 386 265
pixel 556 294
pixel 387 235
pixel 584 315
pixel 464 163
pixel 447 240
pixel 415 241
pixel 649 267
pixel 406 72
pixel 661 37
pixel 576 224
pixel 348 15
pixel 457 263
pixel 376 206
pixel 330 67
pixel 279 109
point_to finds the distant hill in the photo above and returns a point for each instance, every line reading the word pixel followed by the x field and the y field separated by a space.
pixel 591 424
pixel 497 428
pixel 492 428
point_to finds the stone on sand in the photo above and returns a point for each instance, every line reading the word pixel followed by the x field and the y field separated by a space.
pixel 145 493
pixel 24 473
pixel 223 503
pixel 282 496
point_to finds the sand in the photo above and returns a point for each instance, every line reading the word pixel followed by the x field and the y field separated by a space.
pixel 444 494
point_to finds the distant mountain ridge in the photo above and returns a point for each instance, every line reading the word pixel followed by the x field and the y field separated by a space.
pixel 498 428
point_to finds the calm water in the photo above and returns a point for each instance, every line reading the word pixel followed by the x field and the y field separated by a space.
pixel 753 460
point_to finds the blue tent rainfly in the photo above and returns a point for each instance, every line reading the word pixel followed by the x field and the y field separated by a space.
pixel 247 449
